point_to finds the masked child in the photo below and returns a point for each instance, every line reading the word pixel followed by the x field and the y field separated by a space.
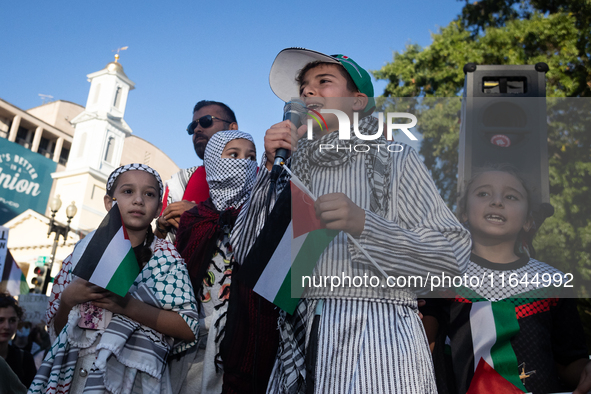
pixel 106 343
pixel 203 239
pixel 19 360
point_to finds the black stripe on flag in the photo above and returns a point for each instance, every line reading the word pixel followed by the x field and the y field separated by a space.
pixel 99 242
pixel 7 266
pixel 261 252
pixel 462 350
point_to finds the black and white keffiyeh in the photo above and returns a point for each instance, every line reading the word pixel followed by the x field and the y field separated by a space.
pixel 230 180
pixel 378 161
pixel 134 167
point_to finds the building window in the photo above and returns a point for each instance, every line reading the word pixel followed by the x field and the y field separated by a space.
pixel 4 127
pixel 23 137
pixel 110 149
pixel 46 148
pixel 117 100
pixel 64 154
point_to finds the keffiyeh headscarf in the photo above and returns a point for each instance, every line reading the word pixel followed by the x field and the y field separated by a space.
pixel 134 167
pixel 230 180
pixel 230 183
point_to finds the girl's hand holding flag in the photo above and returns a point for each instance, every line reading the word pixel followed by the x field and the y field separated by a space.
pixel 122 301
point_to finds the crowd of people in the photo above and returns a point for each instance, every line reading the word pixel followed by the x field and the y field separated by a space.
pixel 189 325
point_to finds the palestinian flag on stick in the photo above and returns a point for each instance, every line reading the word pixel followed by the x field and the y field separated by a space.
pixel 13 279
pixel 287 249
pixel 107 258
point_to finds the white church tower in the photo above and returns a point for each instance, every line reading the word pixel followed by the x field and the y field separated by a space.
pixel 100 128
pixel 97 146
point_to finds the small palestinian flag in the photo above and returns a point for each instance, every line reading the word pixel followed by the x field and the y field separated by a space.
pixel 13 279
pixel 105 257
pixel 287 249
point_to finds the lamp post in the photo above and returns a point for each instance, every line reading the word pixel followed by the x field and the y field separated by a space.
pixel 59 229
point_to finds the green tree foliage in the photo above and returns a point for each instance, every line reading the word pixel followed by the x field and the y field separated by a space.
pixel 556 32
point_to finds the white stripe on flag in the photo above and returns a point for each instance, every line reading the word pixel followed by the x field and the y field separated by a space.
pixel 279 265
pixel 80 248
pixel 110 260
pixel 14 280
pixel 484 333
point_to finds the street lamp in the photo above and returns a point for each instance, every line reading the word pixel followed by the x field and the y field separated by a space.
pixel 59 229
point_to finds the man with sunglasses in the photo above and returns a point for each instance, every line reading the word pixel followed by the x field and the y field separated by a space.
pixel 189 187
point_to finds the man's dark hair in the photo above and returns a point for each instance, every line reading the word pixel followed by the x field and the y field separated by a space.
pixel 228 113
pixel 6 300
pixel 302 73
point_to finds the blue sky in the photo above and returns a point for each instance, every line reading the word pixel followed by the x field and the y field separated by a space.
pixel 186 51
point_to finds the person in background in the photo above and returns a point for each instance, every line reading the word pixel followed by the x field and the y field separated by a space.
pixel 188 187
pixel 527 331
pixel 21 340
pixel 10 384
pixel 20 361
pixel 40 343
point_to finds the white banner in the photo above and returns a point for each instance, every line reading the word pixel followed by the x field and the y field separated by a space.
pixel 34 307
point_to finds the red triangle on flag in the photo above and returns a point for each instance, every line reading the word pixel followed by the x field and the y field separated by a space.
pixel 488 381
pixel 302 212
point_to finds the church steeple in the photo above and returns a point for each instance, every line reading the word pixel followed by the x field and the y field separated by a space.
pixel 109 88
pixel 100 128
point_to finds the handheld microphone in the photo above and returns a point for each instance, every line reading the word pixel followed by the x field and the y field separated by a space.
pixel 294 111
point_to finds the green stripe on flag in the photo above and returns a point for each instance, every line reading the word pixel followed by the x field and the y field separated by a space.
pixel 502 354
pixel 125 274
pixel 24 287
pixel 303 265
pixel 283 298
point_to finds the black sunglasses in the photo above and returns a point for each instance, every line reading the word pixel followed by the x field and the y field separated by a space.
pixel 205 122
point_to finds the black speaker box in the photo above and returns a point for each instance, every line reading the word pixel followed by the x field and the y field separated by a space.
pixel 503 121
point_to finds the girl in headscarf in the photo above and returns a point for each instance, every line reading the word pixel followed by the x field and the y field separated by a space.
pixel 203 239
pixel 107 343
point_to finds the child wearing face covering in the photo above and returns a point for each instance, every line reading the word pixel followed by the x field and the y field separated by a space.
pixel 203 240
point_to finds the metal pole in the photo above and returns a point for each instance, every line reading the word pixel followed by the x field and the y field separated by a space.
pixel 53 252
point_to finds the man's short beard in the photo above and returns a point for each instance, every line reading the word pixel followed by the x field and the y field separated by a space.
pixel 200 149
pixel 200 152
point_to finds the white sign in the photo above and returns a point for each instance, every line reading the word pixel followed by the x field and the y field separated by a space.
pixel 34 307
